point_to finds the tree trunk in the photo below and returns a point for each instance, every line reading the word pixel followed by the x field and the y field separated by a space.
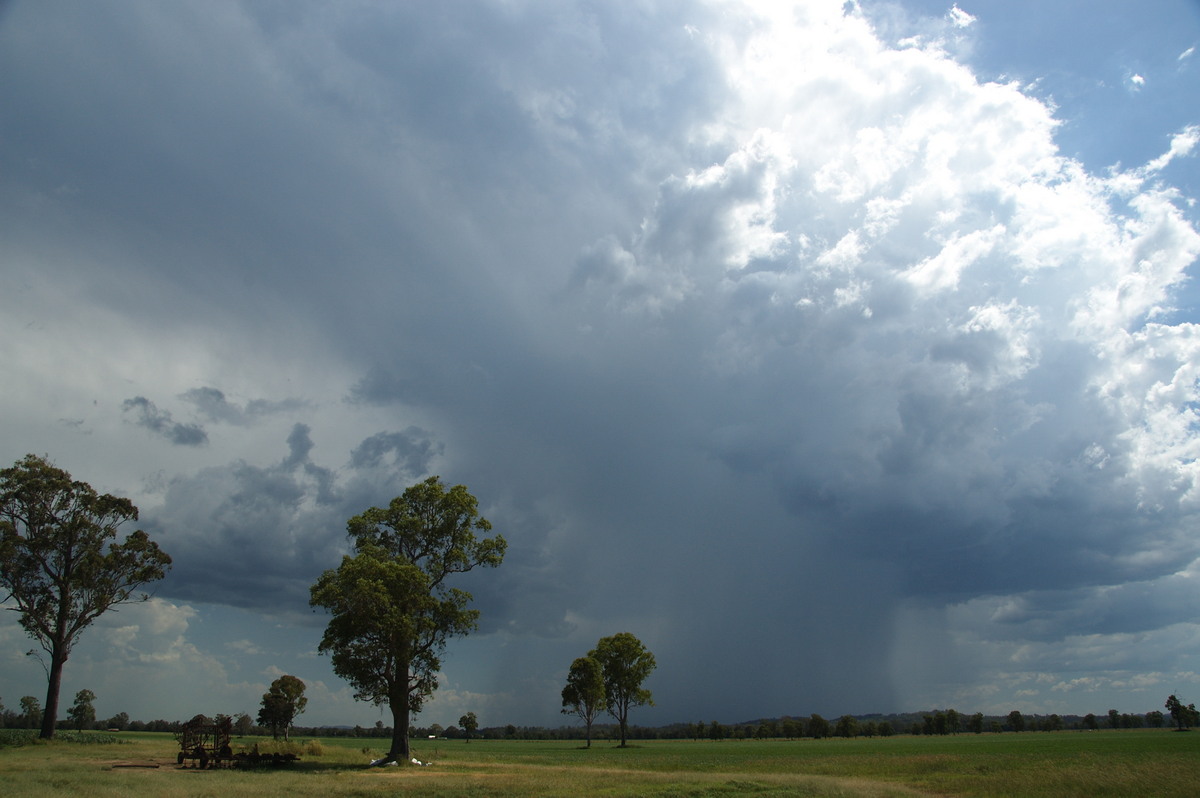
pixel 50 713
pixel 400 751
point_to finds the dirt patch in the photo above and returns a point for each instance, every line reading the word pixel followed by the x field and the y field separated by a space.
pixel 134 765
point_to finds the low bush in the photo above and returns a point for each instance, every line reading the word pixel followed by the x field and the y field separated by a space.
pixel 12 738
pixel 88 738
pixel 297 749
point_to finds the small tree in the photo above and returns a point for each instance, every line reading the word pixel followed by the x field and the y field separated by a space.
pixel 584 694
pixel 119 721
pixel 31 712
pixel 60 562
pixel 243 724
pixel 392 611
pixel 82 713
pixel 1016 721
pixel 847 726
pixel 625 663
pixel 282 702
pixel 469 723
pixel 818 727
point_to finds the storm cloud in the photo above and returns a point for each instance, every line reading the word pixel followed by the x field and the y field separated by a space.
pixel 778 336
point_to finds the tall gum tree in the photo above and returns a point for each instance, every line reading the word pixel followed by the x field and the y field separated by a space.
pixel 60 561
pixel 391 609
pixel 626 663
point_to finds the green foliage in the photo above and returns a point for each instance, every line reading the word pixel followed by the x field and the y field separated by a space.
pixel 275 746
pixel 626 663
pixel 584 694
pixel 818 727
pixel 31 712
pixel 1184 716
pixel 82 713
pixel 282 702
pixel 847 726
pixel 16 737
pixel 88 738
pixel 468 723
pixel 391 609
pixel 60 562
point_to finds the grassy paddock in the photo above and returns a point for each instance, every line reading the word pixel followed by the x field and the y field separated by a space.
pixel 1107 763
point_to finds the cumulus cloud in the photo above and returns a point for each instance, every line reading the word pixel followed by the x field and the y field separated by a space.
pixel 715 307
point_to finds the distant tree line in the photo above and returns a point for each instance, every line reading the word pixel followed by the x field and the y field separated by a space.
pixel 782 728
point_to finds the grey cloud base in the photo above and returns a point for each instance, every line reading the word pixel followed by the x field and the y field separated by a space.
pixel 786 335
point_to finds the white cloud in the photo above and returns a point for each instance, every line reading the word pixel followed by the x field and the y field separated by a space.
pixel 652 279
pixel 960 18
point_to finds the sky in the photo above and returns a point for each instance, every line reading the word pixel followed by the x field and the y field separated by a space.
pixel 845 353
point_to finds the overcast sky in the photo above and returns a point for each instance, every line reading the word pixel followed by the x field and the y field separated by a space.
pixel 846 354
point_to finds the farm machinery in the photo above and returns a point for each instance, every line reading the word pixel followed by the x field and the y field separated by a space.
pixel 206 743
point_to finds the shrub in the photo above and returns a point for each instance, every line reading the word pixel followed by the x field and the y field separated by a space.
pixel 14 738
pixel 17 737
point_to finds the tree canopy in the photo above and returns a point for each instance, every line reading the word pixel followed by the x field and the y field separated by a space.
pixel 468 723
pixel 1184 716
pixel 82 713
pixel 60 562
pixel 282 702
pixel 584 694
pixel 391 609
pixel 626 663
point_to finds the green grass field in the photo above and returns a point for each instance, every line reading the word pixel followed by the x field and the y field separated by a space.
pixel 1144 763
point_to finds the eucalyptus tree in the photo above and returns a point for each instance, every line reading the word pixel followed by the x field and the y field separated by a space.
pixel 584 694
pixel 392 610
pixel 468 723
pixel 1184 716
pixel 82 713
pixel 60 561
pixel 626 663
pixel 282 702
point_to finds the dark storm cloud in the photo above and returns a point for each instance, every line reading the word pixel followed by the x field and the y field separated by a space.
pixel 214 405
pixel 409 451
pixel 257 536
pixel 158 421
pixel 750 333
